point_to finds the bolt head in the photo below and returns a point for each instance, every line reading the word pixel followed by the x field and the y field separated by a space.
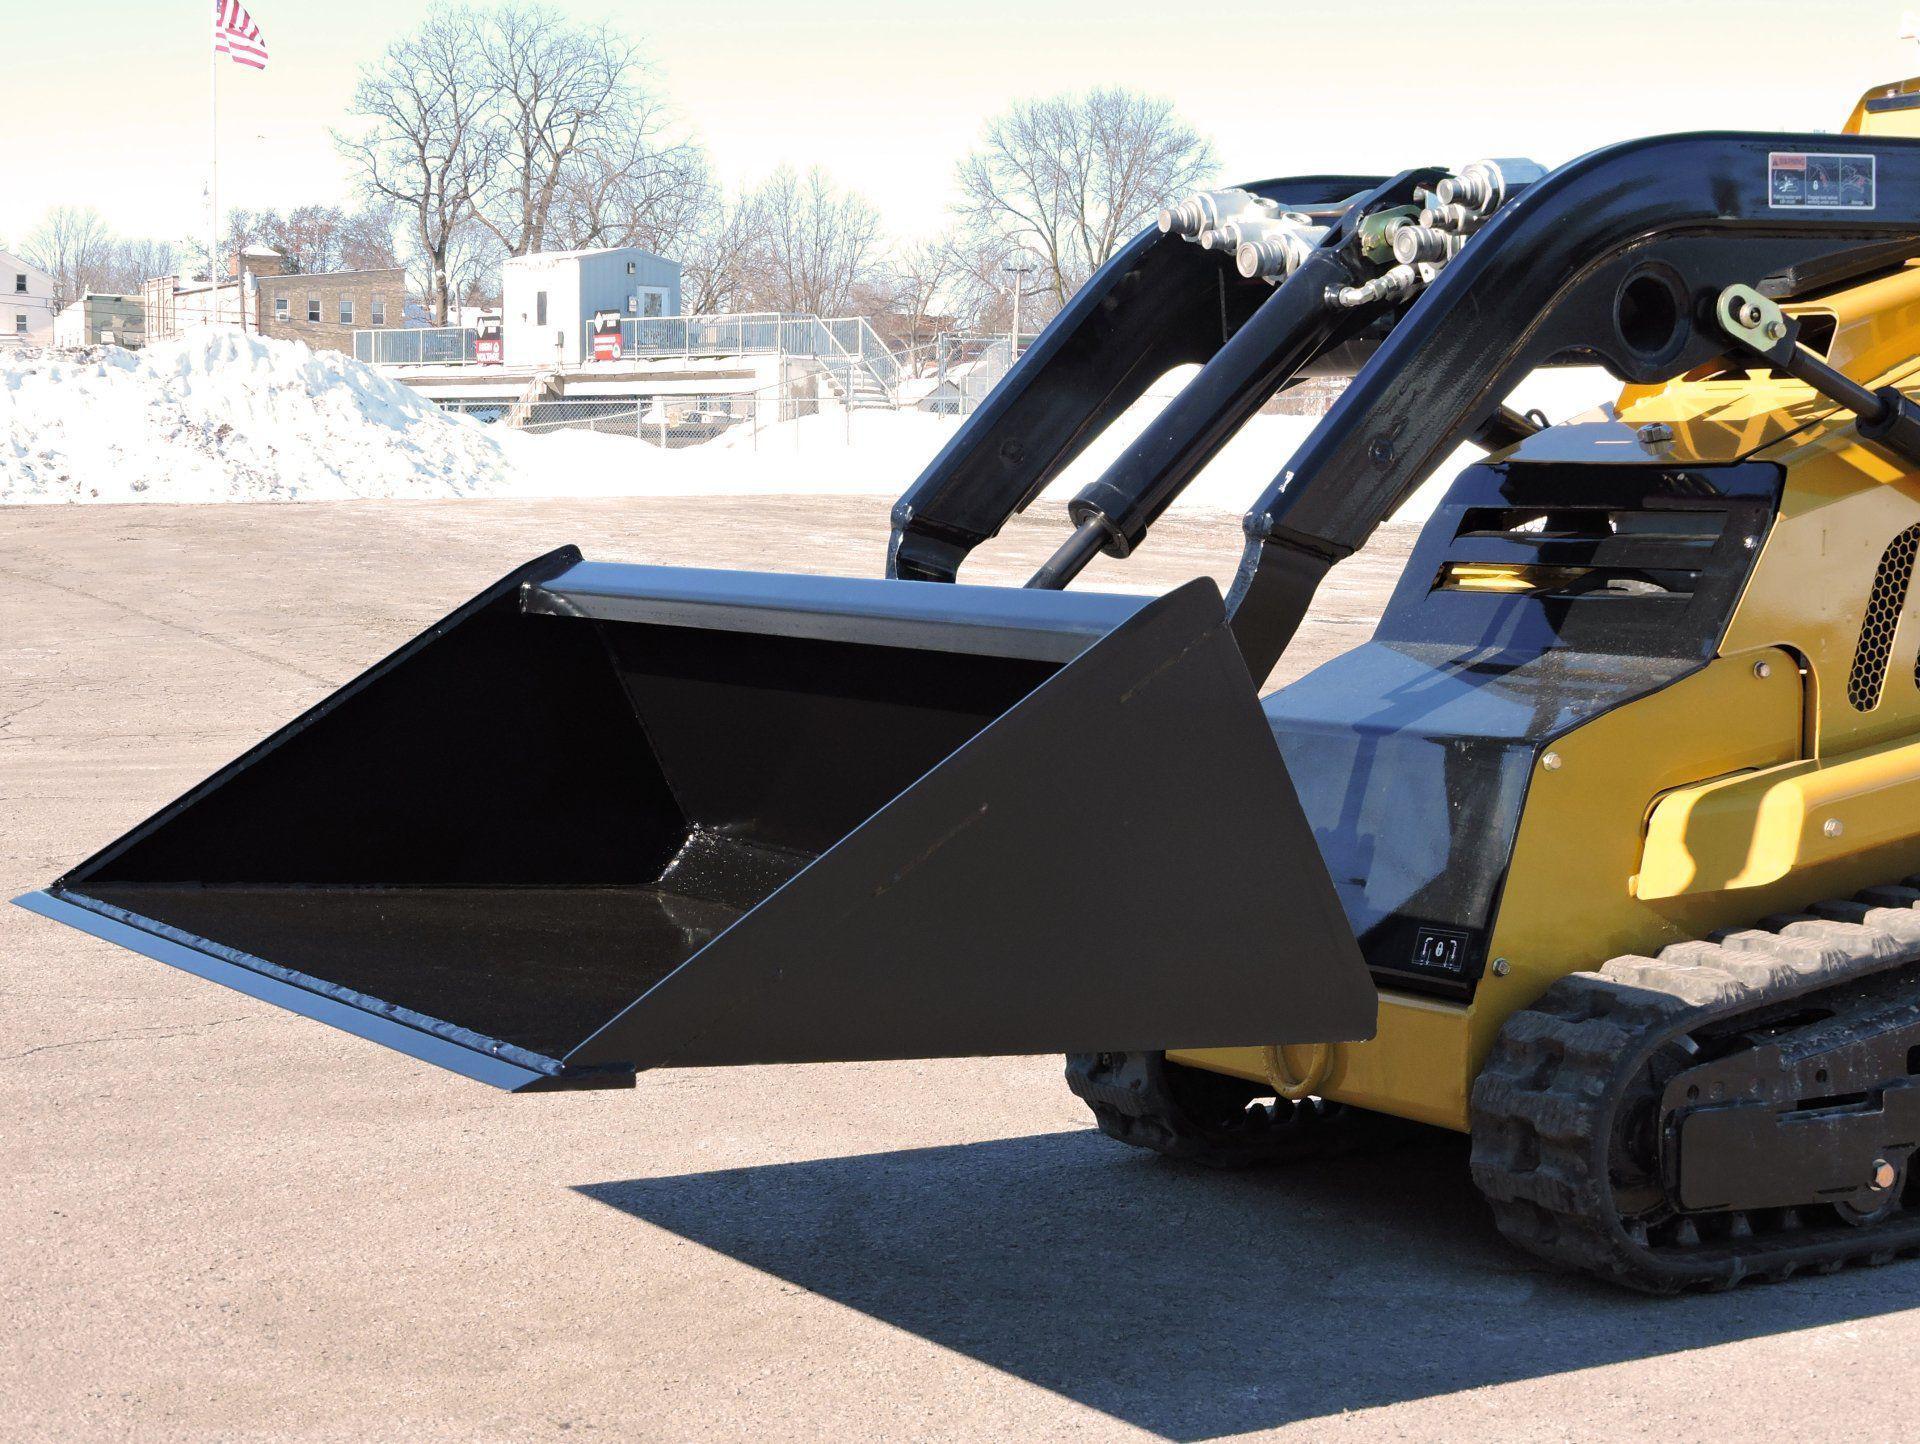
pixel 1832 827
pixel 1775 330
pixel 1751 316
pixel 1501 967
pixel 1763 670
pixel 1551 761
pixel 1885 1175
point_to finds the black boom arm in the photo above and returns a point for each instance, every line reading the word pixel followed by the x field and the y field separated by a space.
pixel 1618 257
pixel 1157 304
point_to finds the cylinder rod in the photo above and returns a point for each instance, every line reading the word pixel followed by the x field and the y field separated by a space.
pixel 1072 557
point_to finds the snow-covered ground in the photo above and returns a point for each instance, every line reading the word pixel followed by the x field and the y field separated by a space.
pixel 221 416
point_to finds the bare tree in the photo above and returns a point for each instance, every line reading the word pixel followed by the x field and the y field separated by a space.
pixel 73 245
pixel 721 246
pixel 1073 176
pixel 820 242
pixel 980 293
pixel 132 262
pixel 364 241
pixel 922 282
pixel 473 265
pixel 574 127
pixel 424 145
pixel 319 238
pixel 635 190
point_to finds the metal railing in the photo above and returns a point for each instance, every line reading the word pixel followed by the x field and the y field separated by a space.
pixel 861 366
pixel 858 340
pixel 416 346
pixel 847 347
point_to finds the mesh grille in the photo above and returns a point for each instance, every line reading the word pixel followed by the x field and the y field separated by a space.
pixel 1889 595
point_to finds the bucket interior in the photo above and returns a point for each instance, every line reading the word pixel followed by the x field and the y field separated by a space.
pixel 524 821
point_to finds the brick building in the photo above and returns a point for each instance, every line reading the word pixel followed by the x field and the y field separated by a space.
pixel 267 295
pixel 325 310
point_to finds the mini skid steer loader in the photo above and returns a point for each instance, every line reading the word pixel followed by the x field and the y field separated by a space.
pixel 1605 848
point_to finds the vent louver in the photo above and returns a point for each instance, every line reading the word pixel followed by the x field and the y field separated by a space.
pixel 1884 604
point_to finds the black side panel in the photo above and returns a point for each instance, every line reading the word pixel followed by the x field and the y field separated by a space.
pixel 1118 863
pixel 1634 561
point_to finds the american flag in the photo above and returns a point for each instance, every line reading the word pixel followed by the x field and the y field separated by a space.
pixel 236 36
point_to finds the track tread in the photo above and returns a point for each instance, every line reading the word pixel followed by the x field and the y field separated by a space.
pixel 1544 1107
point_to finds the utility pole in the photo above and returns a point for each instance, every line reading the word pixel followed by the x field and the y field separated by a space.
pixel 1019 265
pixel 213 189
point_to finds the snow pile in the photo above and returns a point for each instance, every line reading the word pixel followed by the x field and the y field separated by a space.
pixel 221 415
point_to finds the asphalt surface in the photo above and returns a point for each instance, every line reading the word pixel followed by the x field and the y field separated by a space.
pixel 221 1221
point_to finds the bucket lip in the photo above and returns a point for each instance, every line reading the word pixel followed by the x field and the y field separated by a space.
pixel 1039 625
pixel 432 1040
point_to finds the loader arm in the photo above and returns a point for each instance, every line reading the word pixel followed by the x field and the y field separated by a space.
pixel 1618 257
pixel 1155 305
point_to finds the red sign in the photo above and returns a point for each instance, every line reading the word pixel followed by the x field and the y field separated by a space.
pixel 606 335
pixel 486 343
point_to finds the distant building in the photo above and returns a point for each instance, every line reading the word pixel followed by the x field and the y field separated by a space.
pixel 174 304
pixel 98 319
pixel 26 303
pixel 325 310
pixel 266 294
pixel 548 299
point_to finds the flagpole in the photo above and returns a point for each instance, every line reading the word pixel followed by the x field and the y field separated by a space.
pixel 213 183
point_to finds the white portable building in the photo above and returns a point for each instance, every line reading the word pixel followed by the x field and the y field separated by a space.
pixel 548 298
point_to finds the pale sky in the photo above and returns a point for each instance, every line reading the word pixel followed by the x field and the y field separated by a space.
pixel 113 94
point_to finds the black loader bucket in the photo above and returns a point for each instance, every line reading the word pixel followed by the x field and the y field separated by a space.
pixel 606 818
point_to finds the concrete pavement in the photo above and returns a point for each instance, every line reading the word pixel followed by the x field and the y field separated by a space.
pixel 220 1221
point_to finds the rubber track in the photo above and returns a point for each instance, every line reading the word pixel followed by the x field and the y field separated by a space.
pixel 1133 1102
pixel 1543 1108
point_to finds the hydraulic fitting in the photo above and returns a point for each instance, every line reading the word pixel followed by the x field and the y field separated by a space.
pixel 1377 231
pixel 1426 243
pixel 1272 250
pixel 1210 210
pixel 1486 185
pixel 1390 285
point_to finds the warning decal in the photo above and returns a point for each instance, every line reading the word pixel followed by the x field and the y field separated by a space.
pixel 1804 180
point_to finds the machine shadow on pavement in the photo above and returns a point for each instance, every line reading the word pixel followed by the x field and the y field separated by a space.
pixel 1194 1303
